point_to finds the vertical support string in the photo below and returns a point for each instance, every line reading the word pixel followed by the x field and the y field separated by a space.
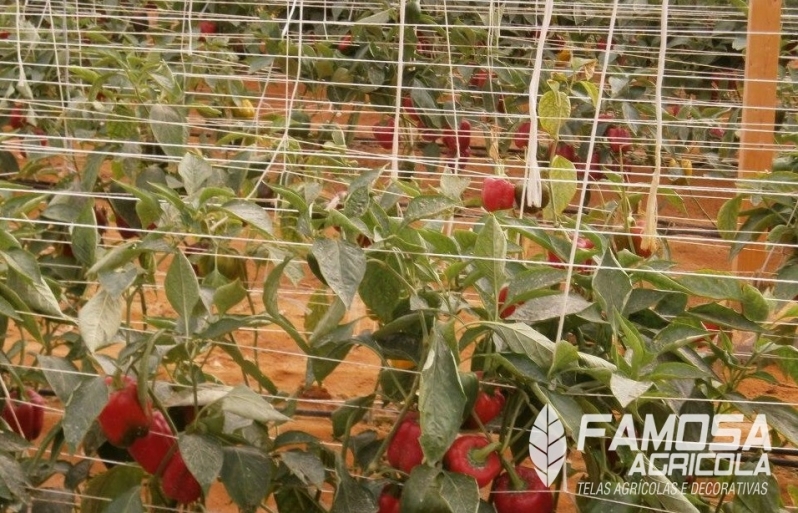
pixel 532 191
pixel 400 74
pixel 586 174
pixel 649 235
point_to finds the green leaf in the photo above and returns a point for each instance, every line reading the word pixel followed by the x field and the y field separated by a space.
pixel 342 264
pixel 170 129
pixel 755 306
pixel 382 286
pixel 328 328
pixel 85 236
pixel 306 466
pixel 109 485
pixel 351 496
pixel 318 304
pixel 452 185
pixel 246 365
pixel 331 349
pixel 91 168
pixel 195 171
pixel 8 241
pixel 428 206
pixel 781 416
pixel 672 499
pixel 786 287
pixel 550 306
pixel 204 457
pixel 182 287
pixel 425 103
pixel 439 242
pixel 99 320
pixel 7 309
pixel 144 212
pixel 762 492
pixel 37 295
pixel 432 490
pixel 675 370
pixel 127 502
pixel 246 474
pixel 792 490
pixel 524 339
pixel 115 283
pixel 723 316
pixel 568 409
pixel 563 186
pixel 377 19
pixel 676 333
pixel 86 74
pixel 490 252
pixel 712 284
pixel 554 109
pixel 211 194
pixel 25 278
pixel 520 366
pixel 291 196
pixel 13 478
pixel 787 360
pixel 297 498
pixel 65 207
pixel 61 374
pixel 641 299
pixel 612 286
pixel 637 355
pixel 272 286
pixel 591 89
pixel 244 402
pixel 536 278
pixel 350 413
pixel 441 397
pixel 627 390
pixel 229 295
pixel 565 355
pixel 84 405
pixel 728 216
pixel 251 214
pixel 161 191
pixel 8 163
pixel 29 321
pixel 116 258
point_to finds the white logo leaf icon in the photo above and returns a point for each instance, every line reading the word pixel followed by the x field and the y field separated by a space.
pixel 547 446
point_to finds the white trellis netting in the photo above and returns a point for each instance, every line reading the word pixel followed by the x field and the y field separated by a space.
pixel 323 169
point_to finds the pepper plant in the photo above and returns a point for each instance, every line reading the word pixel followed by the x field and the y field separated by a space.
pixel 164 175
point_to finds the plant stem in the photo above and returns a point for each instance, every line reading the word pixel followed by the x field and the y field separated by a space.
pixel 481 455
pixel 517 483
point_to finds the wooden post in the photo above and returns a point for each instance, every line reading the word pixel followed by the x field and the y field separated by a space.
pixel 757 147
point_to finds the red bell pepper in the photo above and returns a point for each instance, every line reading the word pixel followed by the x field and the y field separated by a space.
pixel 123 419
pixel 150 450
pixel 404 450
pixel 487 407
pixel 522 492
pixel 178 483
pixel 476 456
pixel 25 415
pixel 388 500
